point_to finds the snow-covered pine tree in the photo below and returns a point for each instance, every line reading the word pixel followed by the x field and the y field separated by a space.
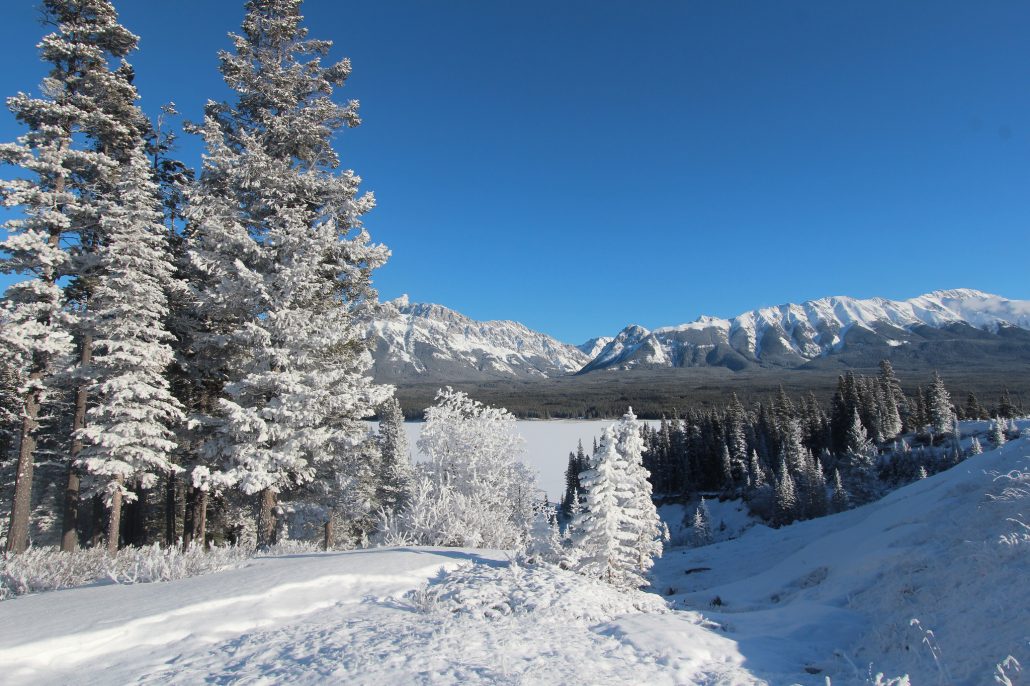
pixel 394 476
pixel 603 544
pixel 34 330
pixel 974 447
pixel 84 119
pixel 938 406
pixel 840 500
pixel 893 395
pixel 299 386
pixel 786 496
pixel 726 468
pixel 737 442
pixel 643 520
pixel 701 527
pixel 997 432
pixel 856 441
pixel 128 437
pixel 756 472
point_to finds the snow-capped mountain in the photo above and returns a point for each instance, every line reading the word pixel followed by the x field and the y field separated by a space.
pixel 949 323
pixel 429 342
pixel 594 346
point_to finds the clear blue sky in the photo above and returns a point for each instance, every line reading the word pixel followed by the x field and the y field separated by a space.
pixel 580 165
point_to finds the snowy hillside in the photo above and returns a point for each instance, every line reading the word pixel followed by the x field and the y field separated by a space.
pixel 838 595
pixel 431 342
pixel 833 597
pixel 792 335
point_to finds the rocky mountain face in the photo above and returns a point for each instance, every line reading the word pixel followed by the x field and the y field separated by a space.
pixel 937 328
pixel 425 342
pixel 431 343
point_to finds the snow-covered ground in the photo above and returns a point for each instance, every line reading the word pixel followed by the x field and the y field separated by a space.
pixel 349 618
pixel 823 598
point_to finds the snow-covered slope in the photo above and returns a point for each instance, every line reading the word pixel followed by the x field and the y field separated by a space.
pixel 837 596
pixel 416 342
pixel 794 335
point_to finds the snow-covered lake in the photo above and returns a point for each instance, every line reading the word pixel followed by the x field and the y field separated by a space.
pixel 548 444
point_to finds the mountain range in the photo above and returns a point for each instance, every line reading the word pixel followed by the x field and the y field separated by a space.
pixel 431 343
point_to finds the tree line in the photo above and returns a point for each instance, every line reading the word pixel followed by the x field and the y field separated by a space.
pixel 181 344
pixel 796 458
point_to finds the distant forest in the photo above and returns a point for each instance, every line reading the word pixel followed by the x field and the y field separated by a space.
pixel 656 393
pixel 798 458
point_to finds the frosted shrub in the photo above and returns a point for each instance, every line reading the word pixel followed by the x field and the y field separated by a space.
pixel 472 491
pixel 48 569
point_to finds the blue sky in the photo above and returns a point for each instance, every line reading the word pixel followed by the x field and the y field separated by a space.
pixel 580 165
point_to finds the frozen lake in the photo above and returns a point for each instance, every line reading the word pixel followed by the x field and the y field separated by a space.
pixel 547 447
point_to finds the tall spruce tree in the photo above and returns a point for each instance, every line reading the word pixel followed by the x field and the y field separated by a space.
pixel 129 434
pixel 394 476
pixel 83 123
pixel 299 387
pixel 938 406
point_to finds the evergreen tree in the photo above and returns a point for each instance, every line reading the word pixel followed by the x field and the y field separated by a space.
pixel 786 496
pixel 1007 408
pixel 856 441
pixel 974 447
pixel 939 406
pixel 701 527
pixel 129 435
pixel 602 539
pixel 394 475
pixel 756 471
pixel 296 252
pixel 840 499
pixel 974 410
pixel 619 531
pixel 75 130
pixel 997 433
pixel 644 522
pixel 736 439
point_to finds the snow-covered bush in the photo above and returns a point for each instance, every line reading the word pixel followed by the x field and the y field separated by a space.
pixel 47 569
pixel 472 491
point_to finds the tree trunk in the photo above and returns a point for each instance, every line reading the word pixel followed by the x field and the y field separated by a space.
pixel 70 525
pixel 18 533
pixel 170 506
pixel 328 543
pixel 114 524
pixel 190 495
pixel 199 533
pixel 266 519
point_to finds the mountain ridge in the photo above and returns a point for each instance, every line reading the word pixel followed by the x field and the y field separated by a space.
pixel 416 342
pixel 797 334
